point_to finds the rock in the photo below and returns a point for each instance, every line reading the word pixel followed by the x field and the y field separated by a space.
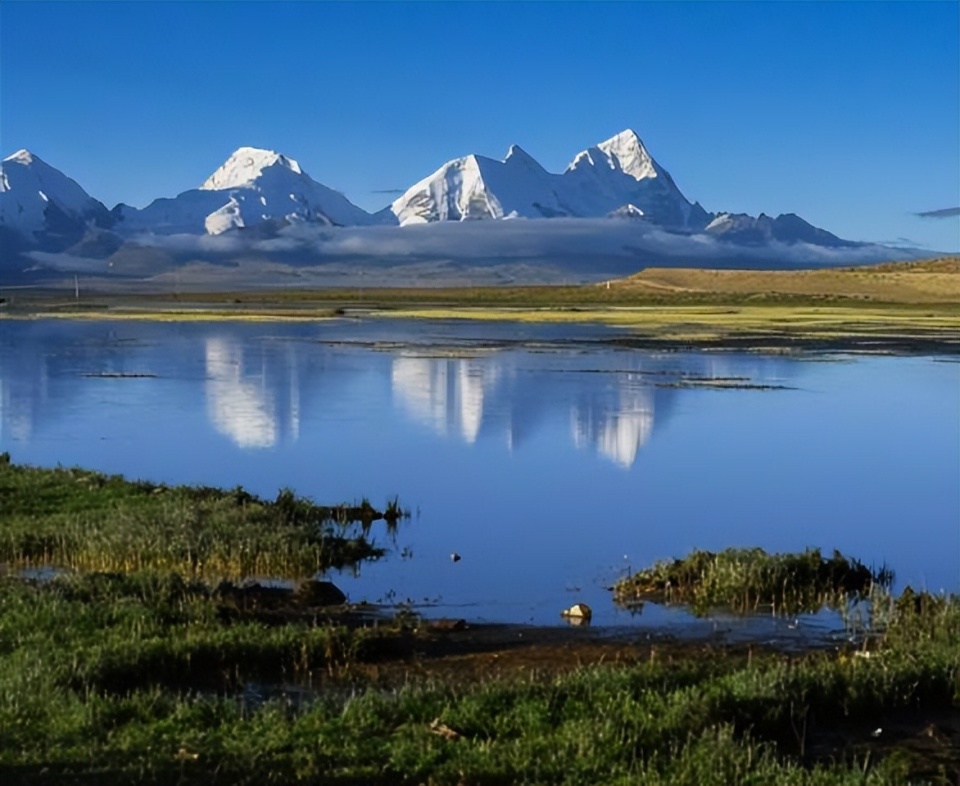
pixel 253 596
pixel 578 612
pixel 320 593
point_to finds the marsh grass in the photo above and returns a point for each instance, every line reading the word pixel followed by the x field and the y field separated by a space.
pixel 114 633
pixel 86 521
pixel 748 580
pixel 89 693
pixel 143 676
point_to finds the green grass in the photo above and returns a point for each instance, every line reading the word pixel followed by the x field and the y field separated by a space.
pixel 83 699
pixel 113 632
pixel 163 676
pixel 82 520
pixel 746 580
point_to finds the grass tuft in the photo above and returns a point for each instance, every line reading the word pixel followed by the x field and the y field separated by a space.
pixel 745 580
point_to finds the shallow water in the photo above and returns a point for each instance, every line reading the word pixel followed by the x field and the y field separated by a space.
pixel 551 462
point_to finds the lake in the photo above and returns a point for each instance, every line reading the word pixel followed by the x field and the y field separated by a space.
pixel 549 459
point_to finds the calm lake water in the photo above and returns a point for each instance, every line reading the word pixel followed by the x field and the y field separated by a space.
pixel 550 461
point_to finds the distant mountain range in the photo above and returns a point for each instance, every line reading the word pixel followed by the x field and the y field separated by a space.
pixel 260 194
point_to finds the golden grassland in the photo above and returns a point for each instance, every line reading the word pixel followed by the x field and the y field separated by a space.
pixel 932 281
pixel 909 301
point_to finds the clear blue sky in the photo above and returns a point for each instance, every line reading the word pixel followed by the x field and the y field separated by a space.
pixel 846 113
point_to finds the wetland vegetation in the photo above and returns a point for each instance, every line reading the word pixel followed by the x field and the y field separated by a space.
pixel 81 520
pixel 747 580
pixel 900 307
pixel 161 669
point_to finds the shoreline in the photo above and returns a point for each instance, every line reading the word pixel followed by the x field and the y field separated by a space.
pixel 191 669
pixel 661 329
pixel 898 308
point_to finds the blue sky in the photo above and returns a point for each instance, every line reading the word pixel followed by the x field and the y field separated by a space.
pixel 845 113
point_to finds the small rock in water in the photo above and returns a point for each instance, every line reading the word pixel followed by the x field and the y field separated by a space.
pixel 454 556
pixel 578 613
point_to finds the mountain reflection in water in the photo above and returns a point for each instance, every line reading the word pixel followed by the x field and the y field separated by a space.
pixel 241 401
pixel 257 390
pixel 449 396
pixel 544 456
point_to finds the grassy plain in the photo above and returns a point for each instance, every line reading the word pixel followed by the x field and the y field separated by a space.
pixel 896 306
pixel 161 672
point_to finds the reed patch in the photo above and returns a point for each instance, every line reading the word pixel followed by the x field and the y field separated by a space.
pixel 748 580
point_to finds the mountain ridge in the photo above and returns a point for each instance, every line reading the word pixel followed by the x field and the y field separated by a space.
pixel 261 191
pixel 44 206
pixel 598 181
pixel 253 186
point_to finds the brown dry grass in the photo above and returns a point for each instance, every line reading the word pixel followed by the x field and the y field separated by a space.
pixel 931 281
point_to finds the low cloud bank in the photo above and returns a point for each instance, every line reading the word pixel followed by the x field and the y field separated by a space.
pixel 69 263
pixel 555 249
pixel 508 241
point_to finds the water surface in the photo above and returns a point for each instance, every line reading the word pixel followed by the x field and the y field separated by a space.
pixel 551 462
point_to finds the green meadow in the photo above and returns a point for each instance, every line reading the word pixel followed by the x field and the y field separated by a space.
pixel 135 647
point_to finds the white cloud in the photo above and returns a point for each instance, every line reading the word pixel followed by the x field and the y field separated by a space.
pixel 570 249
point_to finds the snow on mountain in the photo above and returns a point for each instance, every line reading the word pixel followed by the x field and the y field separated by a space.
pixel 244 166
pixel 621 171
pixel 253 186
pixel 270 196
pixel 42 206
pixel 599 180
pixel 475 187
pixel 627 211
pixel 786 228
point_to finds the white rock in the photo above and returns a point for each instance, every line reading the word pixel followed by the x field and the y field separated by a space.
pixel 578 610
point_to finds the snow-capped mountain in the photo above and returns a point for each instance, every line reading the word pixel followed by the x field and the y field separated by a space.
pixel 253 186
pixel 475 187
pixel 599 181
pixel 620 171
pixel 613 210
pixel 786 228
pixel 41 206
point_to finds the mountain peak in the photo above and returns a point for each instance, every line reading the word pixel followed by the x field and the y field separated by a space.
pixel 517 155
pixel 22 156
pixel 629 152
pixel 45 206
pixel 626 137
pixel 244 166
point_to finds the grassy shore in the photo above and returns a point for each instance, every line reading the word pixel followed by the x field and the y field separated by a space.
pixel 80 520
pixel 901 306
pixel 171 670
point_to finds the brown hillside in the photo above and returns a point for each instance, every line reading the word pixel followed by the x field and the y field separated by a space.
pixel 930 281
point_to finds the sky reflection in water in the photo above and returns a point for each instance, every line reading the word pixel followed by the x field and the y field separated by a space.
pixel 552 467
